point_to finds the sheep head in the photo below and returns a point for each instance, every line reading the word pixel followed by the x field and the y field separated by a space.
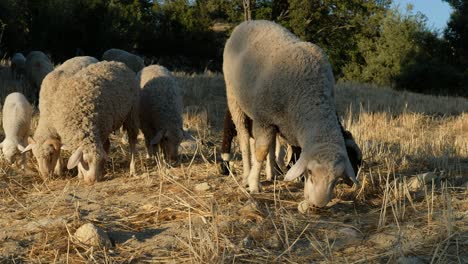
pixel 11 150
pixel 46 152
pixel 90 163
pixel 169 142
pixel 322 172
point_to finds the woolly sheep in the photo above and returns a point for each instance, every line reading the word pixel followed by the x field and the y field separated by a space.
pixel 17 113
pixel 37 66
pixel 17 65
pixel 161 111
pixel 285 86
pixel 99 99
pixel 133 61
pixel 229 132
pixel 47 97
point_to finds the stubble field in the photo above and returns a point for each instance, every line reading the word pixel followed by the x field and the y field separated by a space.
pixel 411 207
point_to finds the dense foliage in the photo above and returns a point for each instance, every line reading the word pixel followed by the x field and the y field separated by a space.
pixel 366 40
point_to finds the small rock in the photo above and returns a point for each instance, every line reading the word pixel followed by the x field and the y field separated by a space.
pixel 349 232
pixel 417 182
pixel 247 242
pixel 382 240
pixel 201 187
pixel 274 242
pixel 92 235
pixel 303 207
pixel 251 212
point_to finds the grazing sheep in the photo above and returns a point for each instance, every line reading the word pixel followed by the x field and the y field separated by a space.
pixel 161 111
pixel 133 61
pixel 47 98
pixel 37 67
pixel 75 64
pixel 18 62
pixel 285 86
pixel 99 99
pixel 17 113
pixel 229 132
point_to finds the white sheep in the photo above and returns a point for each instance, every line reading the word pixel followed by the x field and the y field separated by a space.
pixel 17 113
pixel 37 66
pixel 73 65
pixel 133 61
pixel 88 106
pixel 47 96
pixel 285 86
pixel 161 111
pixel 17 65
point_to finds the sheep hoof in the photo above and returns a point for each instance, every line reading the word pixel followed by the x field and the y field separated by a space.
pixel 255 188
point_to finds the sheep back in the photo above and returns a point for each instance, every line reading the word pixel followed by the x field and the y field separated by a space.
pixel 99 98
pixel 133 61
pixel 37 67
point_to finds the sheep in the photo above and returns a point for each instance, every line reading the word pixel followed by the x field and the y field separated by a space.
pixel 133 61
pixel 161 111
pixel 47 96
pixel 17 114
pixel 285 86
pixel 99 99
pixel 229 132
pixel 37 66
pixel 75 64
pixel 17 65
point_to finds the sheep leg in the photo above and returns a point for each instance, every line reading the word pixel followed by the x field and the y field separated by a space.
pixel 272 168
pixel 132 140
pixel 149 147
pixel 58 167
pixel 23 162
pixel 240 119
pixel 264 140
pixel 229 132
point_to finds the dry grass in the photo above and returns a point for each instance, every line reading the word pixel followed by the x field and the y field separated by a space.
pixel 158 216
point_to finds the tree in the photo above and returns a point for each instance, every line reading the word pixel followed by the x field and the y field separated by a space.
pixel 383 53
pixel 456 32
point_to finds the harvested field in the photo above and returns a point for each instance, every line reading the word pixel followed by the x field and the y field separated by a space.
pixel 411 207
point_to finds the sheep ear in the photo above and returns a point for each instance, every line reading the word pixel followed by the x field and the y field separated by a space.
pixel 297 169
pixel 29 146
pixel 158 137
pixel 75 158
pixel 350 172
pixel 20 148
pixel 188 136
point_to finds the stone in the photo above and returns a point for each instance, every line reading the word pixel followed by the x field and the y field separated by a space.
pixel 303 207
pixel 92 235
pixel 202 187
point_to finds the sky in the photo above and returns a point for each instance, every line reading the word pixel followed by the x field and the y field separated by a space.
pixel 437 11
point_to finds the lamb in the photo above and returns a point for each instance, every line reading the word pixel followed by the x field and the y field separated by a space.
pixel 17 65
pixel 133 61
pixel 161 111
pixel 285 86
pixel 99 99
pixel 17 114
pixel 229 132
